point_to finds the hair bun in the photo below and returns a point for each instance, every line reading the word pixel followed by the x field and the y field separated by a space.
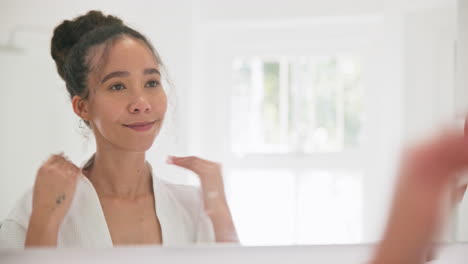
pixel 67 34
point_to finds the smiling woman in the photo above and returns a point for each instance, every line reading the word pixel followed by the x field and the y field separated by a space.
pixel 113 77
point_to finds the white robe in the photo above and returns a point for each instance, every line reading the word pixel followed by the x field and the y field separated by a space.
pixel 179 209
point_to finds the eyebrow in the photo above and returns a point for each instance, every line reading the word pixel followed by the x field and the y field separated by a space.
pixel 126 73
pixel 151 71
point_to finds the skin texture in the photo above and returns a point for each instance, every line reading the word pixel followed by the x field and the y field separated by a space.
pixel 125 89
pixel 53 192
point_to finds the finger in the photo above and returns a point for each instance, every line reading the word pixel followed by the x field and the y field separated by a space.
pixel 62 162
pixel 192 158
pixel 64 165
pixel 192 163
pixel 69 165
pixel 174 159
pixel 187 162
pixel 56 160
pixel 71 169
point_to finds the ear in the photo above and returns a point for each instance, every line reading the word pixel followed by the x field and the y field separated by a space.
pixel 80 107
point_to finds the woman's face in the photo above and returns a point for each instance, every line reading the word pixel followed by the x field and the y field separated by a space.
pixel 127 103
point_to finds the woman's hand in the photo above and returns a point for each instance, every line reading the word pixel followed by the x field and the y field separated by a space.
pixel 214 198
pixel 426 192
pixel 52 196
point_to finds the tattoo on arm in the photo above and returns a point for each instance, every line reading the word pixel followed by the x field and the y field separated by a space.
pixel 60 199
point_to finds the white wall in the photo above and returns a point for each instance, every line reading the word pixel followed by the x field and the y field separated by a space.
pixel 268 10
pixel 430 37
pixel 450 254
pixel 462 56
pixel 212 10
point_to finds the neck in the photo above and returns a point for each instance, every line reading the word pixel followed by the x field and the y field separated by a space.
pixel 120 174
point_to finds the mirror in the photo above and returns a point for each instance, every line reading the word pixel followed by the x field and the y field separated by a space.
pixel 461 103
pixel 306 104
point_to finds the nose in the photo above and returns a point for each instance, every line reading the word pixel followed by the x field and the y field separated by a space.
pixel 139 105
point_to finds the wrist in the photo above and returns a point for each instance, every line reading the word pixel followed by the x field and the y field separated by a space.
pixel 217 210
pixel 42 232
pixel 214 197
pixel 45 221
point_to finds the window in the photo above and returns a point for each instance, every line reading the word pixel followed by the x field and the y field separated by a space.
pixel 296 104
pixel 287 110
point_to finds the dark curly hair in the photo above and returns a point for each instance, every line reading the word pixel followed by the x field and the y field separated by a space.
pixel 72 41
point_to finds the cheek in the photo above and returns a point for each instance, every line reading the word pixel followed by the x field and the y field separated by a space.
pixel 160 104
pixel 106 110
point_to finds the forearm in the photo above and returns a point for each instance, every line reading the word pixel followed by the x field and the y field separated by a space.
pixel 388 253
pixel 220 215
pixel 414 223
pixel 42 232
pixel 403 243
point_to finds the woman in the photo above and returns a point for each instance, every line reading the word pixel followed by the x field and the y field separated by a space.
pixel 113 76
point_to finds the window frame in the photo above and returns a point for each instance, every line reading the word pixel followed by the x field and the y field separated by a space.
pixel 218 44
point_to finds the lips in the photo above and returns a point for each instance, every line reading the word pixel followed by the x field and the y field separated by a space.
pixel 141 126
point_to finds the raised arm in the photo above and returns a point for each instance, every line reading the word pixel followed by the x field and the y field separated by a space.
pixel 53 192
pixel 425 194
pixel 214 197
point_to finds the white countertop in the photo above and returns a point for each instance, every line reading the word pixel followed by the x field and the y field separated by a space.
pixel 449 254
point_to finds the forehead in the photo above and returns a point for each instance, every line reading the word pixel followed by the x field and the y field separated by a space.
pixel 123 54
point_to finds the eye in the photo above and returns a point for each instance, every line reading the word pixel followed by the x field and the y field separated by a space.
pixel 117 87
pixel 152 84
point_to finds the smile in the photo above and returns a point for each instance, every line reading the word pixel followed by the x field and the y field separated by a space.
pixel 143 126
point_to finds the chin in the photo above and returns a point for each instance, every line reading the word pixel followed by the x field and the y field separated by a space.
pixel 137 147
pixel 137 144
